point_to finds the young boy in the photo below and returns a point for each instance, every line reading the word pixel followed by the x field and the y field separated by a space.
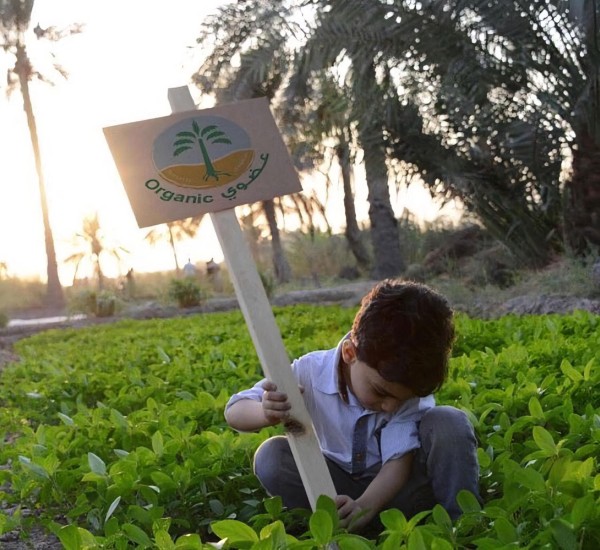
pixel 370 399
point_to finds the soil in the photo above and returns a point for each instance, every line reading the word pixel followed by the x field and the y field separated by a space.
pixel 348 295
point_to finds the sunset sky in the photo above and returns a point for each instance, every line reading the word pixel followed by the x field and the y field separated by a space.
pixel 120 69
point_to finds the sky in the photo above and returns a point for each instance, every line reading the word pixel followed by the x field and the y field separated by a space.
pixel 120 69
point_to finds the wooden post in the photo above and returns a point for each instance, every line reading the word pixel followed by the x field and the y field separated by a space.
pixel 265 334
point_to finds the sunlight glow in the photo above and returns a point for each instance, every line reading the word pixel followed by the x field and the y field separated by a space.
pixel 119 71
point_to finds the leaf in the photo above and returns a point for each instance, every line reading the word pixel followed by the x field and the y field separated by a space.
pixel 69 537
pixel 66 419
pixel 163 541
pixel 467 501
pixel 234 531
pixel 327 504
pixel 506 531
pixel 441 518
pixel 563 534
pixel 76 538
pixel 274 506
pixel 157 443
pixel 394 520
pixel 587 371
pixel 118 419
pixel 570 371
pixel 535 408
pixel 189 542
pixel 416 542
pixel 161 352
pixel 582 510
pixel 544 440
pixel 137 535
pixel 96 464
pixel 34 468
pixel 530 478
pixel 321 526
pixel 112 508
pixel 352 542
pixel 216 506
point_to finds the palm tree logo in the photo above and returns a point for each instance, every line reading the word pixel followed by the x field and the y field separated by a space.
pixel 202 152
pixel 199 136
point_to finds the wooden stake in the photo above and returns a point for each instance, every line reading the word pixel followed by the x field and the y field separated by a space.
pixel 265 334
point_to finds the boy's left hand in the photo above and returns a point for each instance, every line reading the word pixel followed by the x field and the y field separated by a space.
pixel 352 515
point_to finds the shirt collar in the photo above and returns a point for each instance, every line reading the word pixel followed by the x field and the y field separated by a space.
pixel 327 379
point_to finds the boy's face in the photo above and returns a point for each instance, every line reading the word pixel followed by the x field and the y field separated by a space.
pixel 373 391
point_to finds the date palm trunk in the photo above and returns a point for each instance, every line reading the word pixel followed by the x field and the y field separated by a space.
pixel 352 232
pixel 280 264
pixel 54 292
pixel 582 198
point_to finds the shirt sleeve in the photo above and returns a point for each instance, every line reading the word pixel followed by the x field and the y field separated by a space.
pixel 401 434
pixel 399 438
pixel 255 393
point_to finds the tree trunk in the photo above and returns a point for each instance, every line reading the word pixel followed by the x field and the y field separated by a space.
pixel 388 260
pixel 54 291
pixel 353 235
pixel 172 243
pixel 582 198
pixel 280 263
pixel 387 256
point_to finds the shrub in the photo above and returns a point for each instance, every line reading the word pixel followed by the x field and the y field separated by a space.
pixel 3 319
pixel 186 292
pixel 90 302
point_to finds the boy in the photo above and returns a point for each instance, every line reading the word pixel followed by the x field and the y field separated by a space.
pixel 370 399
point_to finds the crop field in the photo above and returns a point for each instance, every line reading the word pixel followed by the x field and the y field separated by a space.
pixel 114 437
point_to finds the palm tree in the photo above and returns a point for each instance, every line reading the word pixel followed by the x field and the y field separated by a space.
pixel 173 232
pixel 275 47
pixel 321 133
pixel 15 18
pixel 93 247
pixel 485 101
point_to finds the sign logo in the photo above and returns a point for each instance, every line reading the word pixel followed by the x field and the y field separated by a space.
pixel 194 161
pixel 201 152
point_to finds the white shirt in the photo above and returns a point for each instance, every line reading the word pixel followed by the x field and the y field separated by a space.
pixel 335 421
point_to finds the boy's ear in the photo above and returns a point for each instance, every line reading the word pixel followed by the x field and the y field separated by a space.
pixel 348 351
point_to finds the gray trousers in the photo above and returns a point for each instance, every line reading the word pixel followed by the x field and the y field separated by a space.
pixel 445 463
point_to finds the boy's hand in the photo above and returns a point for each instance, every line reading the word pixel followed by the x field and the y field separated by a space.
pixel 352 515
pixel 275 404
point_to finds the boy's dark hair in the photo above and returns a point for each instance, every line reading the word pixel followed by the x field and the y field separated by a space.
pixel 405 331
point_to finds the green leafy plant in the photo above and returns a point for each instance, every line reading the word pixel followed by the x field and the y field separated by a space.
pixel 186 292
pixel 127 446
pixel 90 302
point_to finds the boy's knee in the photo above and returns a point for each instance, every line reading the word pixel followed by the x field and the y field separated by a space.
pixel 446 423
pixel 268 460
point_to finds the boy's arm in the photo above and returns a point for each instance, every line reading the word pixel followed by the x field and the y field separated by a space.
pixel 384 487
pixel 247 415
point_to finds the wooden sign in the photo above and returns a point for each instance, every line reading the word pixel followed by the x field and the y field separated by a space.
pixel 195 162
pixel 242 270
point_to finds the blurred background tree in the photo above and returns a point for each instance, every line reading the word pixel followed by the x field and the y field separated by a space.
pixel 15 19
pixel 493 104
pixel 92 246
pixel 172 232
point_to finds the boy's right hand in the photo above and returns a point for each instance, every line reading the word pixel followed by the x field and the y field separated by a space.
pixel 275 404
